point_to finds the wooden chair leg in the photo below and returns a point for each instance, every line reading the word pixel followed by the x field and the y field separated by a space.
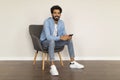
pixel 47 57
pixel 34 62
pixel 61 62
pixel 43 61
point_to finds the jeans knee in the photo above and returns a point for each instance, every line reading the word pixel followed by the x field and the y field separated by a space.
pixel 70 41
pixel 51 42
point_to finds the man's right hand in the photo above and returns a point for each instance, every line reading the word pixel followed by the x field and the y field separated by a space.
pixel 65 37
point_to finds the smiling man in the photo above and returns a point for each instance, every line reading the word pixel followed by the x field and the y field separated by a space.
pixel 54 35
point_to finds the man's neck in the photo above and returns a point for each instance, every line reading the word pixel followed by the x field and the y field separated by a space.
pixel 56 22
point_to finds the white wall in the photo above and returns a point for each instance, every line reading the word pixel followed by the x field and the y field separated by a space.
pixel 94 23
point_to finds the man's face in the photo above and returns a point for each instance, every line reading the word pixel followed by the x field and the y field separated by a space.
pixel 56 14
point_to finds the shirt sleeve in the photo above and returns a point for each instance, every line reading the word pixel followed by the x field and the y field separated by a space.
pixel 64 31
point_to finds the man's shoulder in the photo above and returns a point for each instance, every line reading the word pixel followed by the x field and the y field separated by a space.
pixel 48 19
pixel 61 20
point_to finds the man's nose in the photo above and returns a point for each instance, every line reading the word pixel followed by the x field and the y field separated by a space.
pixel 56 15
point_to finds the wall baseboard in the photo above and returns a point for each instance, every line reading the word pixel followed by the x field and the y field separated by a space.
pixel 57 58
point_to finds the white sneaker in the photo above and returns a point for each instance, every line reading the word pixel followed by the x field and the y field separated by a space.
pixel 53 70
pixel 75 64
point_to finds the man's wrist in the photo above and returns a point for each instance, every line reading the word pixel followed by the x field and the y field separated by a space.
pixel 60 37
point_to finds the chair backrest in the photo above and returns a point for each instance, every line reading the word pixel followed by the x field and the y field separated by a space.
pixel 35 30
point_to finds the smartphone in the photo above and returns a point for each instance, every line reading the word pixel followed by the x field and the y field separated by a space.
pixel 70 34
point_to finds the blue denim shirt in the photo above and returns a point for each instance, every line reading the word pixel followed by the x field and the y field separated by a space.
pixel 48 30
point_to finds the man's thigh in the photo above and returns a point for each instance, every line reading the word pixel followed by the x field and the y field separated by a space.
pixel 57 43
pixel 61 43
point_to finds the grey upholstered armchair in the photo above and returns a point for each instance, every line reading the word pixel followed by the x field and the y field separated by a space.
pixel 35 32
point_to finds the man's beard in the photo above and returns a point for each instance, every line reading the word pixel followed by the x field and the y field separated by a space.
pixel 56 18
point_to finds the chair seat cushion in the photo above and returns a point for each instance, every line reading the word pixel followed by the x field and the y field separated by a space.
pixel 57 49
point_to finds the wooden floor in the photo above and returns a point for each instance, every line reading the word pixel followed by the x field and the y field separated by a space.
pixel 94 70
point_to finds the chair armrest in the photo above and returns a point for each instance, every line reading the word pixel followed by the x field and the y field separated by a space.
pixel 36 43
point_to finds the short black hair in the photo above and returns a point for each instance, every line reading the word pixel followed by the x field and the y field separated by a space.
pixel 56 7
